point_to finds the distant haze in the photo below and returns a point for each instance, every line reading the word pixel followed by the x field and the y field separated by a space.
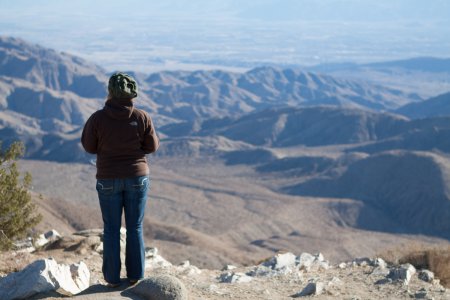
pixel 180 34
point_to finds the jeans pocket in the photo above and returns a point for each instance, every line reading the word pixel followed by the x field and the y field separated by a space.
pixel 141 183
pixel 105 186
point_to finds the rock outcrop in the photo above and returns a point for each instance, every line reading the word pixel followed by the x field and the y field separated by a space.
pixel 282 276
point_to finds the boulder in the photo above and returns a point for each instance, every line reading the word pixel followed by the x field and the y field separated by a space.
pixel 402 273
pixel 43 276
pixel 281 261
pixel 306 261
pixel 163 287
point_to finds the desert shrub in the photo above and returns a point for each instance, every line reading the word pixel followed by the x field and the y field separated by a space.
pixel 18 214
pixel 433 258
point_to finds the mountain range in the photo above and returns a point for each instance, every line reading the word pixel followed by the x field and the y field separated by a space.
pixel 377 155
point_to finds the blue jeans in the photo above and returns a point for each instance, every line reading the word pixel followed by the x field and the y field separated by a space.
pixel 129 195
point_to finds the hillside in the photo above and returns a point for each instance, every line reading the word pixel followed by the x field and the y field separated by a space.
pixel 405 186
pixel 200 94
pixel 434 107
pixel 291 126
pixel 46 67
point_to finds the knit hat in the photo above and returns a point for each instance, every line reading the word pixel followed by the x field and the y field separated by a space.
pixel 122 85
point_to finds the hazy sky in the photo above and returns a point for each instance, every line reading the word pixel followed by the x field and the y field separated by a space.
pixel 233 32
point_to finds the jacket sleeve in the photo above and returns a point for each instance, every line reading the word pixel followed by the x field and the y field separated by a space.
pixel 151 141
pixel 89 138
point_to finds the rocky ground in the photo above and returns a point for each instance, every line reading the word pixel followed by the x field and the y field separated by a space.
pixel 283 276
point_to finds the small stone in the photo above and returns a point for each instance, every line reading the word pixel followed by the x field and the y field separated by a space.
pixel 151 252
pixel 319 257
pixel 421 294
pixel 379 262
pixel 312 288
pixel 231 277
pixel 342 265
pixel 335 281
pixel 229 268
pixel 426 275
pixel 362 262
pixel 99 248
pixel 45 238
pixel 186 268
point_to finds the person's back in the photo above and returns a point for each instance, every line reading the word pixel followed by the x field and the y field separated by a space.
pixel 121 136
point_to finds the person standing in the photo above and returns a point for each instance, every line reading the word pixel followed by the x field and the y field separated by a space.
pixel 121 136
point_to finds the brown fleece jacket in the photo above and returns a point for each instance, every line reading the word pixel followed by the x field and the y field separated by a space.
pixel 121 135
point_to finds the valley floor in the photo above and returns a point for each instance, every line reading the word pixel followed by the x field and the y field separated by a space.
pixel 211 214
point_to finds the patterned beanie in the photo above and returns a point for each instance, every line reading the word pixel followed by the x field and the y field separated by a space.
pixel 122 85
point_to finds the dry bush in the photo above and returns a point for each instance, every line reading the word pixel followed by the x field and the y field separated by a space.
pixel 422 256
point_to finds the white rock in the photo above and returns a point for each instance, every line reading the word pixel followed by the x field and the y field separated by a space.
pixel 335 281
pixel 319 257
pixel 151 252
pixel 25 245
pixel 52 235
pixel 426 275
pixel 281 261
pixel 188 269
pixel 72 279
pixel 403 273
pixel 231 277
pixel 47 237
pixel 362 262
pixel 305 261
pixel 342 265
pixel 229 268
pixel 379 262
pixel 80 275
pixel 41 241
pixel 43 276
pixel 99 248
pixel 156 262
